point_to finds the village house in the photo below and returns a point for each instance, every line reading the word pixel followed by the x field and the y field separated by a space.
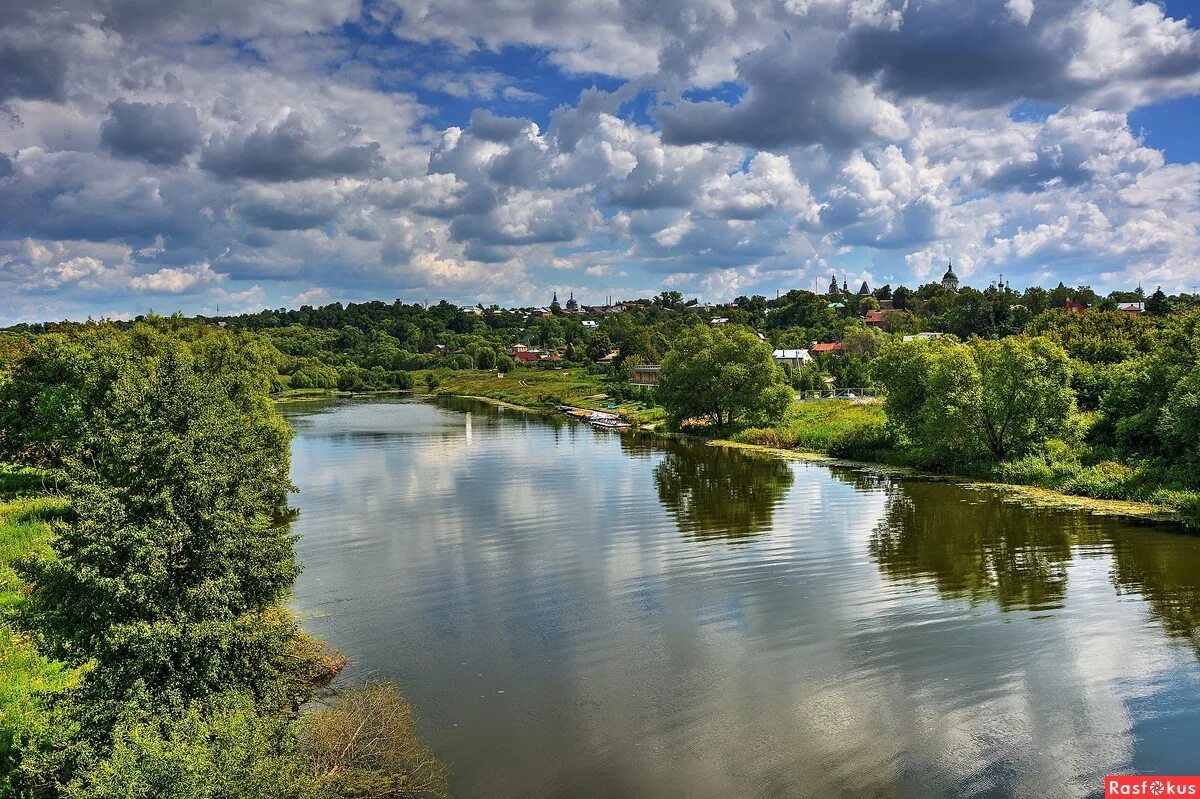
pixel 875 318
pixel 1074 306
pixel 645 375
pixel 827 348
pixel 923 336
pixel 1132 308
pixel 792 358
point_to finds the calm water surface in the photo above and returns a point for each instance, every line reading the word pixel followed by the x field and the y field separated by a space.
pixel 576 612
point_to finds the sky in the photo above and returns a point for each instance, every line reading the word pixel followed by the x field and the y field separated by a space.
pixel 233 156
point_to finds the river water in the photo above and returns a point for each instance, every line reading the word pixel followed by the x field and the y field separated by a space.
pixel 584 613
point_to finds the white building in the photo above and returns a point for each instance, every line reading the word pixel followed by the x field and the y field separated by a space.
pixel 590 324
pixel 924 336
pixel 793 358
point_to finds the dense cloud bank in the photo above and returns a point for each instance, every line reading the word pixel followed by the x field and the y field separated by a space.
pixel 183 156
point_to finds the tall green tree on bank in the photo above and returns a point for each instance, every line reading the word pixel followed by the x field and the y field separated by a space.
pixel 981 400
pixel 724 376
pixel 165 578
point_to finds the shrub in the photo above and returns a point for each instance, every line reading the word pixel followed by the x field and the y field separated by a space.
pixel 1105 480
pixel 366 745
pixel 862 439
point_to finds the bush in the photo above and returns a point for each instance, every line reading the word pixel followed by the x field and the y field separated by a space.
pixel 863 439
pixel 1106 480
pixel 1051 468
pixel 366 744
pixel 314 374
pixel 199 753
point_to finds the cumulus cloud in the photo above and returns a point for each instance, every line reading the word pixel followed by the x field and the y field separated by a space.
pixel 792 98
pixel 175 279
pixel 160 133
pixel 240 153
pixel 31 72
pixel 1116 53
pixel 294 148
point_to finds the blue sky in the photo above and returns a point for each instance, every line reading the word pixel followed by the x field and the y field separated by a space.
pixel 175 157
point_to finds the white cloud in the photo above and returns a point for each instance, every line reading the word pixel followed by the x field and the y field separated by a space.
pixel 175 280
pixel 754 143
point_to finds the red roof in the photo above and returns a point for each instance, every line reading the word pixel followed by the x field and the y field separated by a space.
pixel 834 346
pixel 1074 306
pixel 525 357
pixel 874 317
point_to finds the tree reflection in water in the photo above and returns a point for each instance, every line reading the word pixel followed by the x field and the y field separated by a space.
pixel 1168 577
pixel 715 492
pixel 975 545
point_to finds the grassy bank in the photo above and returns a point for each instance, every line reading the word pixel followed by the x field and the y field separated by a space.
pixel 25 676
pixel 537 388
pixel 858 430
pixel 842 428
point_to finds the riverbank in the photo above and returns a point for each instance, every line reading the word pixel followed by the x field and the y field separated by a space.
pixel 836 432
pixel 1027 495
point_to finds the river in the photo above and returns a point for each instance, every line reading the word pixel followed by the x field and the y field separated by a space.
pixel 584 613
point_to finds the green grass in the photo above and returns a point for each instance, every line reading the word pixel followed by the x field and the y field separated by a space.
pixel 844 428
pixel 24 674
pixel 541 388
pixel 521 386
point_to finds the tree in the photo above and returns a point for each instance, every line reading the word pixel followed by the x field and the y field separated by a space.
pixel 164 576
pixel 1025 394
pixel 669 299
pixel 959 402
pixel 598 346
pixel 314 374
pixel 1158 304
pixel 722 375
pixel 485 358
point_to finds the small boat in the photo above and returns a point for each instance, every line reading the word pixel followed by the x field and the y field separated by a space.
pixel 608 421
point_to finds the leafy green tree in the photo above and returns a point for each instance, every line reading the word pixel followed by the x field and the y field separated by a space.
pixel 1180 425
pixel 163 577
pixel 314 374
pixel 722 375
pixel 986 398
pixel 485 358
pixel 48 402
pixel 598 346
